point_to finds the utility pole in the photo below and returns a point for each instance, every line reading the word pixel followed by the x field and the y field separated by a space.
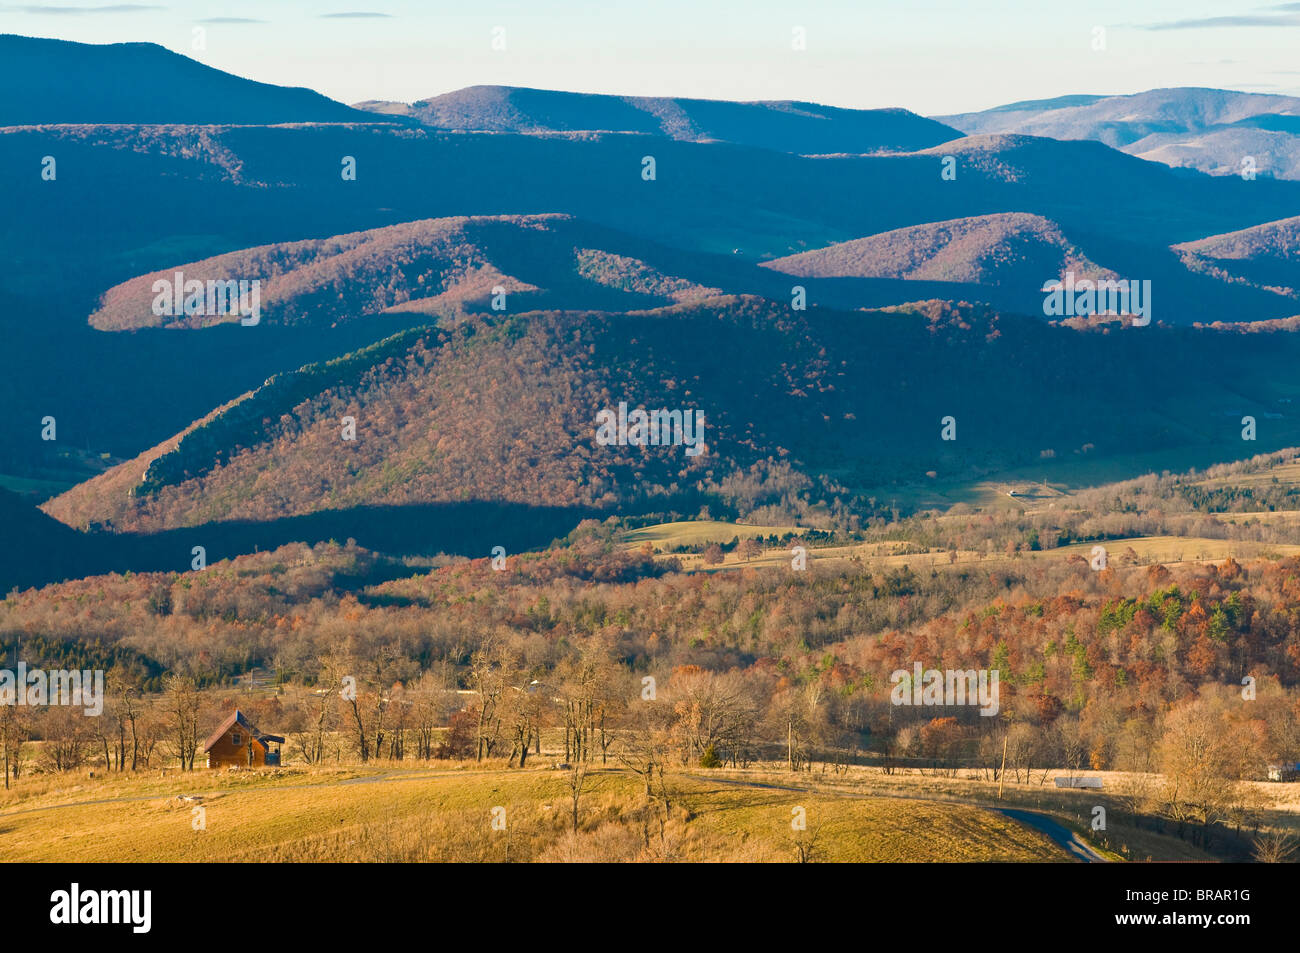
pixel 1002 772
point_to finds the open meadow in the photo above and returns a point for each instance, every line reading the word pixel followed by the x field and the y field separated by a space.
pixel 411 813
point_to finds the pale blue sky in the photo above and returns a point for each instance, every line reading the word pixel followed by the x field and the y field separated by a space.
pixel 931 56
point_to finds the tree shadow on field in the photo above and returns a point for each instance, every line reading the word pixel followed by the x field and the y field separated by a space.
pixel 461 529
pixel 470 529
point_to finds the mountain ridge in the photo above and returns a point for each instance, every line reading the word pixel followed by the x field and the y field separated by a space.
pixel 785 125
pixel 53 82
pixel 1210 130
pixel 504 410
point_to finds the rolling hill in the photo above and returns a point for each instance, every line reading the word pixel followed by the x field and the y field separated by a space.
pixel 325 815
pixel 434 267
pixel 1005 259
pixel 220 189
pixel 717 199
pixel 1265 256
pixel 1210 130
pixel 1008 248
pixel 1119 121
pixel 344 257
pixel 803 410
pixel 44 81
pixel 802 128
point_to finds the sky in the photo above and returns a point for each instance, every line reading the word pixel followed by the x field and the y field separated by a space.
pixel 934 57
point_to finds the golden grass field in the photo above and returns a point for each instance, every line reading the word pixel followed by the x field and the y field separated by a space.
pixel 697 532
pixel 1171 550
pixel 1029 489
pixel 1287 474
pixel 1133 551
pixel 1061 475
pixel 423 813
pixel 442 811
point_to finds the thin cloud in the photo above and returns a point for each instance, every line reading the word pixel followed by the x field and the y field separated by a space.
pixel 1251 19
pixel 230 20
pixel 82 11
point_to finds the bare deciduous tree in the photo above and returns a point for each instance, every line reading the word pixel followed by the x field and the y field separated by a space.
pixel 181 704
pixel 15 729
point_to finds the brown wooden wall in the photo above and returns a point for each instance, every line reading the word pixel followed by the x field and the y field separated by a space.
pixel 225 753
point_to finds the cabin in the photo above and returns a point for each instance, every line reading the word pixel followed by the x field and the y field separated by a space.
pixel 238 743
pixel 1283 772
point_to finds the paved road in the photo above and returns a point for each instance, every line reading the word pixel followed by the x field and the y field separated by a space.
pixel 1058 832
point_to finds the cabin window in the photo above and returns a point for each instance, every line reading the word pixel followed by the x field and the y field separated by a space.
pixel 235 739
